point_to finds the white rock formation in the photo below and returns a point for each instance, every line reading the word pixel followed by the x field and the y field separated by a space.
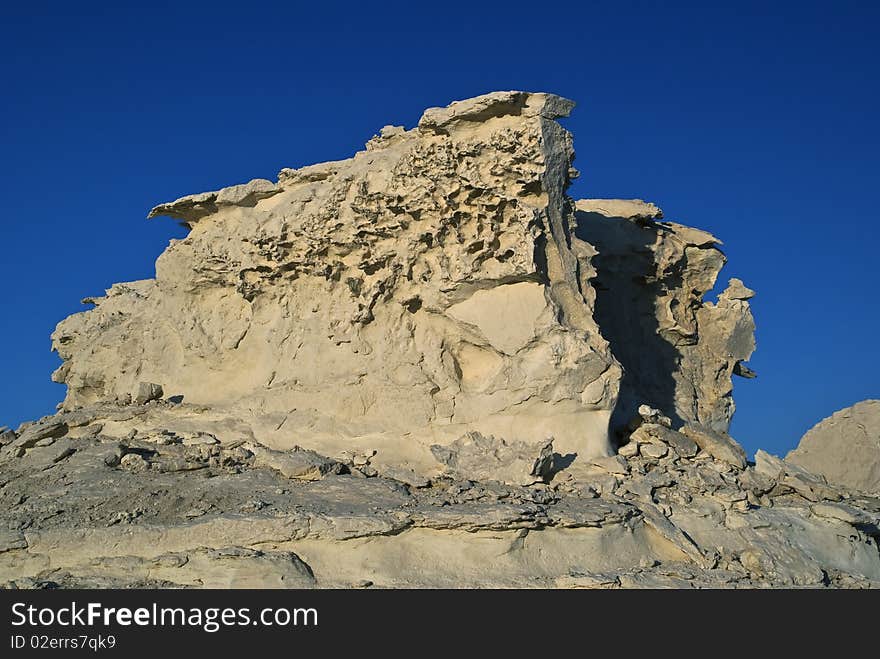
pixel 411 369
pixel 435 284
pixel 845 447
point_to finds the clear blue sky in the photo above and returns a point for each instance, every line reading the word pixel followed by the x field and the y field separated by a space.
pixel 755 121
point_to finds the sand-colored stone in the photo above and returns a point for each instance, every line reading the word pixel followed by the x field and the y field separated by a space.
pixel 845 447
pixel 426 287
pixel 437 283
pixel 174 513
pixel 413 368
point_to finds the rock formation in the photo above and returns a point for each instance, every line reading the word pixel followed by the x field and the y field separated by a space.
pixel 845 447
pixel 677 351
pixel 422 366
pixel 437 283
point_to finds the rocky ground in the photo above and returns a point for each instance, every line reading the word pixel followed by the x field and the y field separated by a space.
pixel 105 497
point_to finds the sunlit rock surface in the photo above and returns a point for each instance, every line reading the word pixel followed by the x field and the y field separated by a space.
pixel 423 366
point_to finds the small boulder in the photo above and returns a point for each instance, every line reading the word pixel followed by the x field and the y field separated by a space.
pixel 653 432
pixel 654 450
pixel 812 487
pixel 7 436
pixel 405 475
pixel 475 456
pixel 613 464
pixel 43 456
pixel 650 414
pixel 841 512
pixel 32 434
pixel 148 391
pixel 298 463
pixel 134 462
pixel 719 445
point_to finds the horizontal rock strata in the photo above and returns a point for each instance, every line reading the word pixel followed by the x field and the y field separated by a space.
pixel 127 497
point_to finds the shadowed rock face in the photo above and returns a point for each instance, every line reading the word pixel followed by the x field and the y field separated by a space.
pixel 845 447
pixel 678 352
pixel 440 282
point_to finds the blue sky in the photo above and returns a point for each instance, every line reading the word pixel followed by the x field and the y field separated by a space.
pixel 755 121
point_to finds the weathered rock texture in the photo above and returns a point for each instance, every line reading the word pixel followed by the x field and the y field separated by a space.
pixel 127 497
pixel 438 283
pixel 678 351
pixel 424 366
pixel 845 447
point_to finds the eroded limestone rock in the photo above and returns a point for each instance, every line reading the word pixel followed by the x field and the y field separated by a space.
pixel 489 458
pixel 412 368
pixel 147 391
pixel 437 283
pixel 678 351
pixel 845 447
pixel 192 208
pixel 719 445
pixel 426 287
